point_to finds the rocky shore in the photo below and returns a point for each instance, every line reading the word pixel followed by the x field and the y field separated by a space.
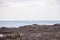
pixel 31 32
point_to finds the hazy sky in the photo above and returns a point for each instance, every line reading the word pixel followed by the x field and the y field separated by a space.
pixel 29 9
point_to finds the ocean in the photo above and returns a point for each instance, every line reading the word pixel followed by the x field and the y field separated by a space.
pixel 22 23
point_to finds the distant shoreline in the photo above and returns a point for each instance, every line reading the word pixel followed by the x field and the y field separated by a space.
pixel 22 23
pixel 33 24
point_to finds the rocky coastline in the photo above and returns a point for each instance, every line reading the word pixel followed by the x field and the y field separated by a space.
pixel 31 32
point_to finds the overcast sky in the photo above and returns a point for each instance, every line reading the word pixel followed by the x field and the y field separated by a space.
pixel 29 9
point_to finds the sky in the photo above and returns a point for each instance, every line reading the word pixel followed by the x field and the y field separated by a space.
pixel 29 9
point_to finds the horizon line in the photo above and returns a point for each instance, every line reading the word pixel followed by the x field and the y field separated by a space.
pixel 29 20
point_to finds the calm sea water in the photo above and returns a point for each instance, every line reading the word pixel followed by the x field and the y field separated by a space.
pixel 22 23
